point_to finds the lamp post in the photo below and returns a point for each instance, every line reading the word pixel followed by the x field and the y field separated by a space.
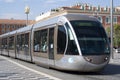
pixel 27 10
pixel 111 28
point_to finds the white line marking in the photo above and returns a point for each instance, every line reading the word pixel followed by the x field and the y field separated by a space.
pixel 46 75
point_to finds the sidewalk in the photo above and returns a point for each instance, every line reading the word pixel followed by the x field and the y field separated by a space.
pixel 115 59
pixel 10 70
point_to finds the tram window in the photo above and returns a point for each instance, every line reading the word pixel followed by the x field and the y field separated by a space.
pixel 51 43
pixel 43 43
pixel 4 43
pixel 92 34
pixel 40 41
pixel 61 39
pixel 72 47
pixel 11 42
pixel 20 42
pixel 37 41
pixel 26 43
pixel 26 39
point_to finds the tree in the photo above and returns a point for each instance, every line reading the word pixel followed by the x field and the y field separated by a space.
pixel 116 35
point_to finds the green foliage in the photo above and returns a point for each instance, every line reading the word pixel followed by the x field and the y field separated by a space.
pixel 116 35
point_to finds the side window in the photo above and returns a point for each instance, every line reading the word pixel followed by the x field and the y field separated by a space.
pixel 27 40
pixel 61 39
pixel 37 41
pixel 4 43
pixel 23 42
pixel 20 42
pixel 40 41
pixel 72 47
pixel 44 44
pixel 11 42
pixel 51 40
pixel 26 43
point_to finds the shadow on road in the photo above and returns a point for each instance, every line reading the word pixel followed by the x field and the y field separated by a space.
pixel 111 69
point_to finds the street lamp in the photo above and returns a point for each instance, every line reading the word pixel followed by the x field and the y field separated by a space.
pixel 27 10
pixel 111 28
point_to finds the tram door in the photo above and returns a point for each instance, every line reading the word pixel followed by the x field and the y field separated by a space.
pixel 23 47
pixel 51 46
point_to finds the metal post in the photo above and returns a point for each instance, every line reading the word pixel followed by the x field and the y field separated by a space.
pixel 27 20
pixel 111 32
pixel 27 10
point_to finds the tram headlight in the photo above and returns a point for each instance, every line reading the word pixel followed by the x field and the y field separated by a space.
pixel 88 59
pixel 70 60
pixel 106 59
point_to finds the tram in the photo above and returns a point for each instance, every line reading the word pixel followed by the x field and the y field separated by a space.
pixel 71 42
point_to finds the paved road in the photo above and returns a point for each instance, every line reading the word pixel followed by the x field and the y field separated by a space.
pixel 11 69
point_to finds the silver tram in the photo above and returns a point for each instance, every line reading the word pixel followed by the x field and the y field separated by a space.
pixel 71 42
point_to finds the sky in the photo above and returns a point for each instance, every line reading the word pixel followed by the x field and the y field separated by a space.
pixel 15 8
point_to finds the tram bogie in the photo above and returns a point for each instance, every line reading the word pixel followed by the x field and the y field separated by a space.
pixel 71 42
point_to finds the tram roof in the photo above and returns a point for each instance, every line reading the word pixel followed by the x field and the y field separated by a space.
pixel 24 29
pixel 69 15
pixel 4 34
pixel 20 30
pixel 78 16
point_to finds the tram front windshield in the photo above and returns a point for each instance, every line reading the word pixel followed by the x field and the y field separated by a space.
pixel 91 37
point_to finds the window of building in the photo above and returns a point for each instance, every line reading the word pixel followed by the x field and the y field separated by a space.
pixel 12 27
pixel 105 9
pixel 98 8
pixel 3 26
pixel 115 19
pixel 107 20
pixel 100 19
pixel 81 7
pixel 114 10
pixel 8 26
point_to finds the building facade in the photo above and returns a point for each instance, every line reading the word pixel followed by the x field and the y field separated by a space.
pixel 102 13
pixel 7 25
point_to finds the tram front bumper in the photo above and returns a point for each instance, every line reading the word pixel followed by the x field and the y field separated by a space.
pixel 78 64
